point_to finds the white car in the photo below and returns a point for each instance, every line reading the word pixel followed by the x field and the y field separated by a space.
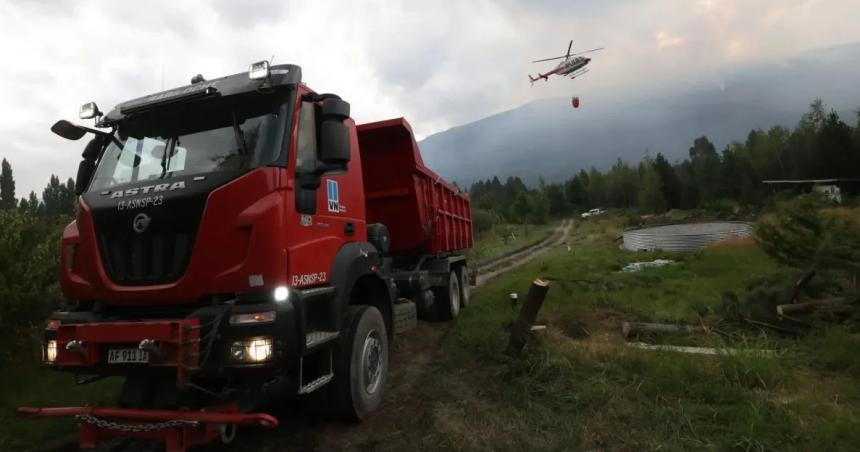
pixel 592 212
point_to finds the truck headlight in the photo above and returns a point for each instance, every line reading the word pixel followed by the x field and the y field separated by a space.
pixel 251 350
pixel 51 351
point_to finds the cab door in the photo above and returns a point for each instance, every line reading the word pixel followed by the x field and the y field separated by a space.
pixel 321 220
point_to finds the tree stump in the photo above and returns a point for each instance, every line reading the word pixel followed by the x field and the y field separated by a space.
pixel 527 317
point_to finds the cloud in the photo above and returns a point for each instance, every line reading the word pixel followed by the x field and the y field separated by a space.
pixel 439 64
pixel 666 40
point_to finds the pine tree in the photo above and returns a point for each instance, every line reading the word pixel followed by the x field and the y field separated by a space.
pixel 7 187
pixel 52 197
pixel 669 183
pixel 557 202
pixel 651 198
pixel 36 207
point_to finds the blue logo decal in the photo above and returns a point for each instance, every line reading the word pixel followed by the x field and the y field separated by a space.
pixel 333 196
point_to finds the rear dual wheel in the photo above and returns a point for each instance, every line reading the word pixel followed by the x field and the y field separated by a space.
pixel 455 296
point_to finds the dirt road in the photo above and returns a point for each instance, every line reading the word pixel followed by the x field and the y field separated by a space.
pixel 489 271
pixel 411 358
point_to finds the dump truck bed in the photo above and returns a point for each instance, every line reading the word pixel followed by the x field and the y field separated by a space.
pixel 424 213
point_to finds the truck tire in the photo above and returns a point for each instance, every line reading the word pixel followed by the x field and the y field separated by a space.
pixel 425 304
pixel 361 366
pixel 405 315
pixel 465 288
pixel 448 298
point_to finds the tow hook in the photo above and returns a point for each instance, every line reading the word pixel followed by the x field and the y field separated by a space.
pixel 227 433
pixel 77 347
pixel 152 347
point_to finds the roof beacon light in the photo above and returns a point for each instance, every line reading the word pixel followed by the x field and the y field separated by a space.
pixel 89 110
pixel 259 70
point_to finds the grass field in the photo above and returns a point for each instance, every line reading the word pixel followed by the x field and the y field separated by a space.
pixel 26 383
pixel 575 391
pixel 577 385
pixel 507 238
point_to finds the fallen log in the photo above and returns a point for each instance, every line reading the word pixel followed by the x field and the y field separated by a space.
pixel 794 294
pixel 636 328
pixel 806 307
pixel 527 317
pixel 771 326
pixel 701 350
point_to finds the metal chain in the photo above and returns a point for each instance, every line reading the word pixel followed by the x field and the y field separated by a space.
pixel 110 425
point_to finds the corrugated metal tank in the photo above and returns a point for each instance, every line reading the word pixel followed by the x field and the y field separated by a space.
pixel 683 237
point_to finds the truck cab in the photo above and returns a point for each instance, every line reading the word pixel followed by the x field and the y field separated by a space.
pixel 230 245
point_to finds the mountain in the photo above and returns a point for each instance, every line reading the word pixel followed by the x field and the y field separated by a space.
pixel 548 137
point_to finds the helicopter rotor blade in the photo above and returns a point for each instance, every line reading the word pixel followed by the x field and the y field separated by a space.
pixel 586 51
pixel 549 59
pixel 569 46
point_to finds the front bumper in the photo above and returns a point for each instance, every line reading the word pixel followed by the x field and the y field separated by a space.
pixel 197 345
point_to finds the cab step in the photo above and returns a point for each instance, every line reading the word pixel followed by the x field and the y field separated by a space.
pixel 315 384
pixel 314 339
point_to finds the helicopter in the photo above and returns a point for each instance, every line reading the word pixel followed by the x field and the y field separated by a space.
pixel 571 67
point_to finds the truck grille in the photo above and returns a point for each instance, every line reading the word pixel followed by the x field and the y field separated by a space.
pixel 148 258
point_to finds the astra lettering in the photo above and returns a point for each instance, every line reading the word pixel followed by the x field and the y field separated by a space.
pixel 179 185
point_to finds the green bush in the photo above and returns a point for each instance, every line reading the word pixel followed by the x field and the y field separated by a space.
pixel 835 349
pixel 483 220
pixel 800 234
pixel 29 263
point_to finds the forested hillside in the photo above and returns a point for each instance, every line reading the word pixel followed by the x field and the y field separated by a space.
pixel 821 145
pixel 549 138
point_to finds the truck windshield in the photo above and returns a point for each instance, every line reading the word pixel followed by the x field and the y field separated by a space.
pixel 191 141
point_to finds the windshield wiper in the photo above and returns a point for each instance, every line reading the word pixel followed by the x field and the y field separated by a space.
pixel 165 160
pixel 240 136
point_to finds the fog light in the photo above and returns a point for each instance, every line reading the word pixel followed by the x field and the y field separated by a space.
pixel 51 351
pixel 259 349
pixel 251 350
pixel 281 293
pixel 259 70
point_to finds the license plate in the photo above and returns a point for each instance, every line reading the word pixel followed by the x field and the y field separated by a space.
pixel 127 355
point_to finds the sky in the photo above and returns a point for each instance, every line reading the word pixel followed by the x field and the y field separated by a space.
pixel 439 64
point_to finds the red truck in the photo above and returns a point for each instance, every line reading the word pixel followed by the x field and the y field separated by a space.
pixel 241 239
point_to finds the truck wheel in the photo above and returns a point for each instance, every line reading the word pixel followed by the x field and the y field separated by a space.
pixel 425 302
pixel 465 289
pixel 448 298
pixel 362 365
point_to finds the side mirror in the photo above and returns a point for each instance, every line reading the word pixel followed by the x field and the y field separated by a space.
pixel 68 130
pixel 334 134
pixel 87 167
